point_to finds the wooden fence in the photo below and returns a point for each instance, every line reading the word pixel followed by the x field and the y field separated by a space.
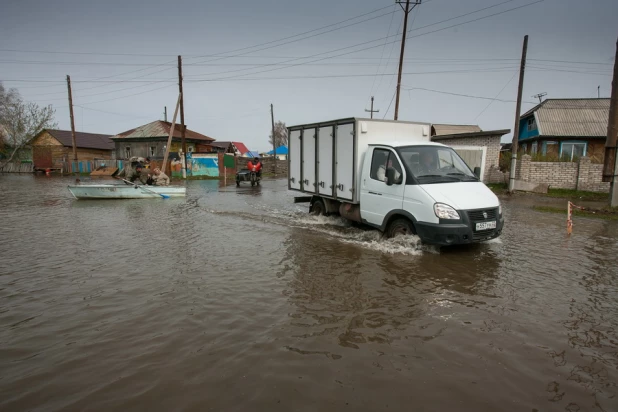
pixel 17 167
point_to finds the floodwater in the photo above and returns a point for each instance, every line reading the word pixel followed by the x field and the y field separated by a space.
pixel 237 300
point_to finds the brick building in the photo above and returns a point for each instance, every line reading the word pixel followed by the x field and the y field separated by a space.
pixel 471 136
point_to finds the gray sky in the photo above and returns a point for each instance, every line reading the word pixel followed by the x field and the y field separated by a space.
pixel 123 66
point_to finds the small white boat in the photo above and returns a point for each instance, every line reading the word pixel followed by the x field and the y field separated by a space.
pixel 126 191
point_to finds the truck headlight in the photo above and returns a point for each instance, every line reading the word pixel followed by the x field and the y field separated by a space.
pixel 445 211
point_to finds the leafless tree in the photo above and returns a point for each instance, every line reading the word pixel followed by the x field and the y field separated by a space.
pixel 281 133
pixel 20 122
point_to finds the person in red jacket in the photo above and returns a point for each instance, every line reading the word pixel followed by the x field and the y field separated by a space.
pixel 255 166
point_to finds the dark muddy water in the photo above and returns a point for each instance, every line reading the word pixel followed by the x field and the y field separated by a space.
pixel 236 300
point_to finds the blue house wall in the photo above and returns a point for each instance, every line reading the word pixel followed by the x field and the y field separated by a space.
pixel 524 133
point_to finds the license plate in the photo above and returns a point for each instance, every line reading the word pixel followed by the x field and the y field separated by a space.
pixel 486 225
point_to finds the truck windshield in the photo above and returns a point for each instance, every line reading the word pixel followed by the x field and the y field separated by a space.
pixel 436 164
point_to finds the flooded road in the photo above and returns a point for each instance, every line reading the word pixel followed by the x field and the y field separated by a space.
pixel 237 300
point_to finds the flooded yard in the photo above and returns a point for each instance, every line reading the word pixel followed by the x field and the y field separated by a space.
pixel 235 299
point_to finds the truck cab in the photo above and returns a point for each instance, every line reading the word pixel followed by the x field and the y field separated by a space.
pixel 426 189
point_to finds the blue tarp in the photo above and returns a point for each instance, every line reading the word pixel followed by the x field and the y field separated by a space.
pixel 281 150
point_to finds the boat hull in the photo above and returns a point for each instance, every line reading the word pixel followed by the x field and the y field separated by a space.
pixel 125 191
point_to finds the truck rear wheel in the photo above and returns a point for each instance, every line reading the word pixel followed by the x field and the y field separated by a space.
pixel 400 227
pixel 318 208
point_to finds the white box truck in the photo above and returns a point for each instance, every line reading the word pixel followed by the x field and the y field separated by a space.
pixel 389 175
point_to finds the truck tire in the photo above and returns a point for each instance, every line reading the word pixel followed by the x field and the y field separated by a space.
pixel 318 208
pixel 400 227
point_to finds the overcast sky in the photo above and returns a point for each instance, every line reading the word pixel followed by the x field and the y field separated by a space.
pixel 122 55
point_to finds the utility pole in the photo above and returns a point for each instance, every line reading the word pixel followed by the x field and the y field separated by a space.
pixel 182 119
pixel 520 88
pixel 610 166
pixel 598 92
pixel 540 96
pixel 165 114
pixel 272 120
pixel 406 11
pixel 72 122
pixel 372 111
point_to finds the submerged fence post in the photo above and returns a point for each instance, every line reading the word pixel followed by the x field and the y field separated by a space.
pixel 569 219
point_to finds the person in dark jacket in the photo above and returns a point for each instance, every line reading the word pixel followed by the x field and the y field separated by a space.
pixel 132 174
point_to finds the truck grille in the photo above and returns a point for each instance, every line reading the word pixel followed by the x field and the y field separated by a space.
pixel 477 215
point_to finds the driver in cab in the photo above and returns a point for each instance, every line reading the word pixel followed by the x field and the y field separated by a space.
pixel 428 163
pixel 381 173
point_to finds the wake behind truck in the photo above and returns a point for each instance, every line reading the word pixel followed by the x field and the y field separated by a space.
pixel 389 175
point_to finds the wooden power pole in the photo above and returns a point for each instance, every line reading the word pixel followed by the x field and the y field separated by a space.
pixel 520 88
pixel 372 111
pixel 72 121
pixel 272 120
pixel 610 165
pixel 406 11
pixel 182 118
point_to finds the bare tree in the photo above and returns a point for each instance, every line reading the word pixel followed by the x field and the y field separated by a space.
pixel 20 122
pixel 281 133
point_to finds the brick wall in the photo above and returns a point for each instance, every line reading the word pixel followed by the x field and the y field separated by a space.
pixel 492 172
pixel 582 175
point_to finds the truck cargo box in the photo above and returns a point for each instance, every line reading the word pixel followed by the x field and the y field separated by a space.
pixel 325 159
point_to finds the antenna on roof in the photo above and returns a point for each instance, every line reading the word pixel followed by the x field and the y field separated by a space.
pixel 540 96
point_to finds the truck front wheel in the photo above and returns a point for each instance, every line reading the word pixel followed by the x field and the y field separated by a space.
pixel 400 227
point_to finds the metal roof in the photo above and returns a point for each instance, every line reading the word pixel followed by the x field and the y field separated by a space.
pixel 486 133
pixel 159 128
pixel 281 150
pixel 83 140
pixel 572 117
pixel 448 129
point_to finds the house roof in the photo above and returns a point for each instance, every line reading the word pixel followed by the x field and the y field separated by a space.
pixel 571 117
pixel 82 140
pixel 486 133
pixel 281 150
pixel 239 146
pixel 448 129
pixel 159 128
pixel 252 154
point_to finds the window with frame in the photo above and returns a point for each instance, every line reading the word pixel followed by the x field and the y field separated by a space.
pixel 127 152
pixel 534 148
pixel 572 151
pixel 153 151
pixel 380 161
pixel 531 124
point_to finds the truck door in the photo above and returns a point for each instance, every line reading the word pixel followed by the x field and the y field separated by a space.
pixel 377 198
pixel 344 157
pixel 325 160
pixel 295 160
pixel 308 163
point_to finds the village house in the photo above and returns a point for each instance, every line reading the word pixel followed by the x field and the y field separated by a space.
pixel 233 148
pixel 566 129
pixel 150 141
pixel 53 149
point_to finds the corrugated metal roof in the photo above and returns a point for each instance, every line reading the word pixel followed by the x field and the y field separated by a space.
pixel 241 147
pixel 572 117
pixel 159 128
pixel 441 129
pixel 83 140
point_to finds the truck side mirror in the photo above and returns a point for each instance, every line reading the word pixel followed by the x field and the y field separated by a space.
pixel 477 172
pixel 390 176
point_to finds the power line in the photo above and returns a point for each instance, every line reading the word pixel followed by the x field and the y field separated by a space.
pixel 372 41
pixel 307 37
pixel 493 99
pixel 500 92
pixel 388 32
